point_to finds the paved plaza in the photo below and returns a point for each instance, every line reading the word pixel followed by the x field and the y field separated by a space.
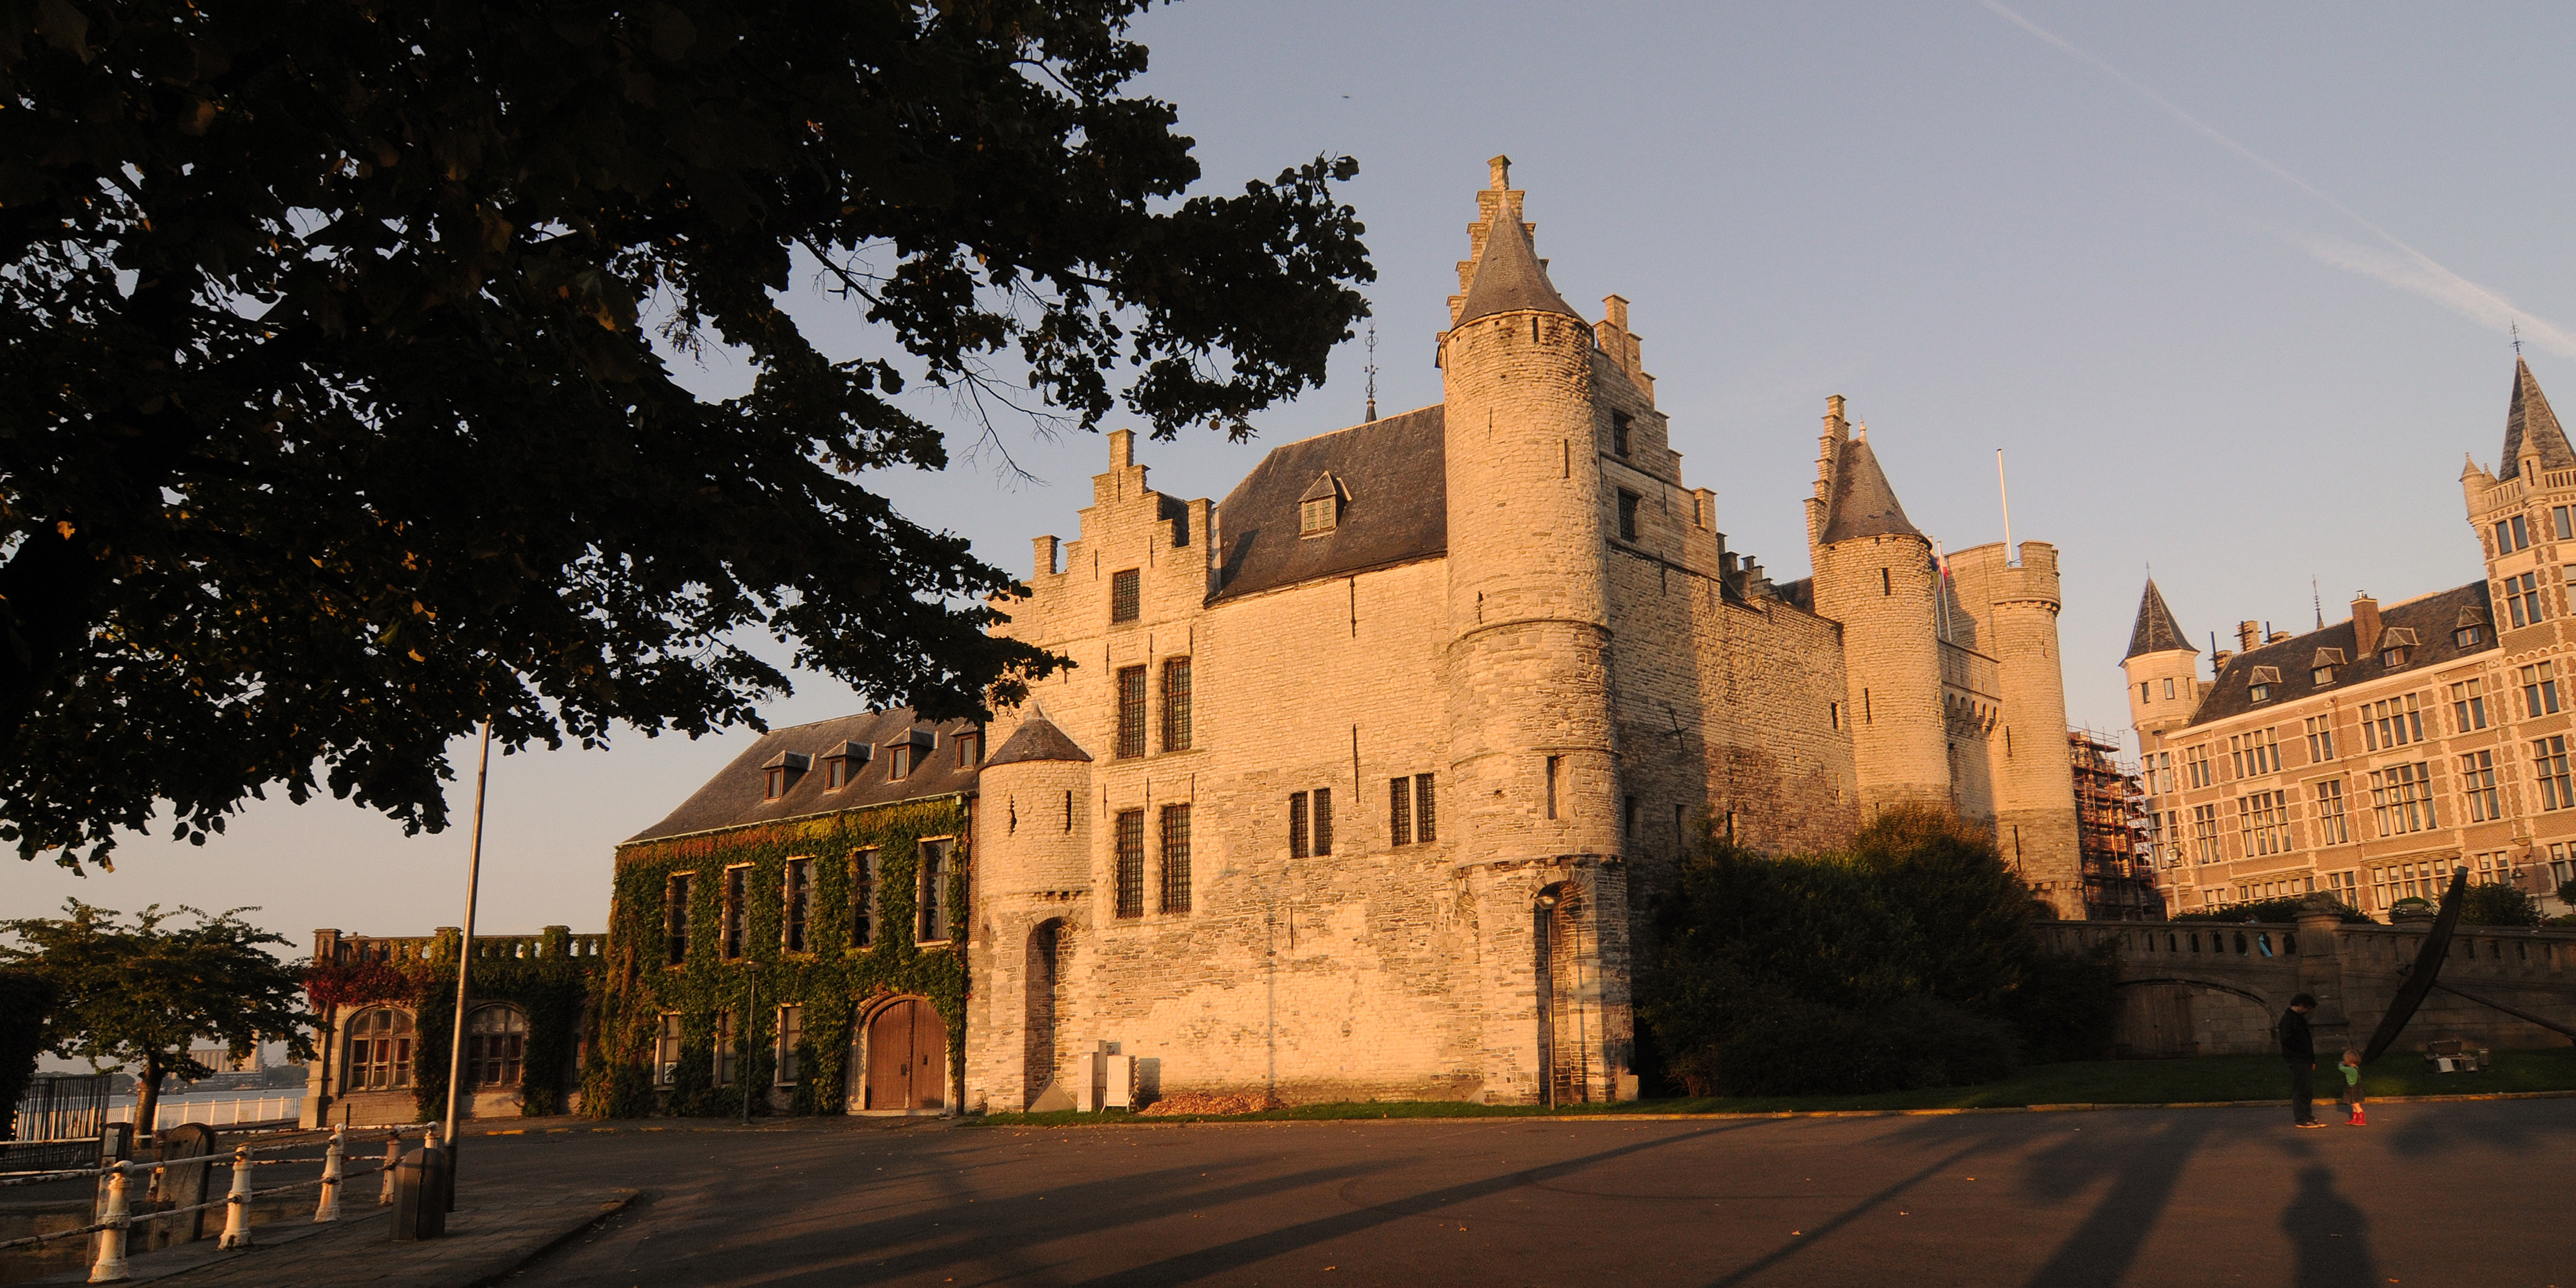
pixel 2429 1194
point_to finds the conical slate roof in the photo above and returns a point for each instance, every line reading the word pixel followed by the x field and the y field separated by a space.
pixel 2530 421
pixel 2156 631
pixel 1037 738
pixel 1509 278
pixel 1863 503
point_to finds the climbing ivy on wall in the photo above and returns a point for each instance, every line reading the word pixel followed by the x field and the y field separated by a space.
pixel 833 982
pixel 552 988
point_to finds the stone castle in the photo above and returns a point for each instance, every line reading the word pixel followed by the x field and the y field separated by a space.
pixel 1457 687
pixel 2370 757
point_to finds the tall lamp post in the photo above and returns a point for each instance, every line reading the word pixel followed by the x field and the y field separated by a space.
pixel 464 961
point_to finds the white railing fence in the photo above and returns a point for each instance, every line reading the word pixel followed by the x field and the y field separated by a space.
pixel 214 1113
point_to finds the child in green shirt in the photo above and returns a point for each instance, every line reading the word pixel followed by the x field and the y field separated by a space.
pixel 2351 1067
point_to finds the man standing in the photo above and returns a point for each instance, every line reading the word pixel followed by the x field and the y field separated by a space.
pixel 2299 1048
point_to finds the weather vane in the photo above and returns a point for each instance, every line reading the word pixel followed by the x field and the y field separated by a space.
pixel 2516 327
pixel 1371 369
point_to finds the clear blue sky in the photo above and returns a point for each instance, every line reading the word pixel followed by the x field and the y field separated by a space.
pixel 2245 333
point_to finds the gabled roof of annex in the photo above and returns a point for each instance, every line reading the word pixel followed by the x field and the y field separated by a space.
pixel 738 795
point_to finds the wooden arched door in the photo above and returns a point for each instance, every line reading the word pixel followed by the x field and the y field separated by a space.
pixel 907 1057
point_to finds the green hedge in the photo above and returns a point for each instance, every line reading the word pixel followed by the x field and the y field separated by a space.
pixel 25 997
pixel 833 982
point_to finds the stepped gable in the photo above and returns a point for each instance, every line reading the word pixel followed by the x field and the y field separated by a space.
pixel 2156 631
pixel 1037 738
pixel 1864 505
pixel 2529 421
pixel 1509 278
pixel 2432 618
pixel 736 796
pixel 1394 474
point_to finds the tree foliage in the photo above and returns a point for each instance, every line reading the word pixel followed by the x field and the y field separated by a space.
pixel 143 994
pixel 25 998
pixel 333 420
pixel 2495 903
pixel 1908 960
pixel 2281 911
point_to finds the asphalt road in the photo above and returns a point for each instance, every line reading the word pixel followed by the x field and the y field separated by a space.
pixel 2429 1194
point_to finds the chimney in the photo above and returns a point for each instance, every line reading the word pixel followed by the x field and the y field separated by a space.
pixel 2276 637
pixel 2365 626
pixel 2249 636
pixel 2218 661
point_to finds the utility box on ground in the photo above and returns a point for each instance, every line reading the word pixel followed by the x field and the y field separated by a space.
pixel 420 1196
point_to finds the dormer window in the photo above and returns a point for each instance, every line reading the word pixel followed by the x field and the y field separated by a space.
pixel 841 765
pixel 2466 637
pixel 2321 676
pixel 1319 511
pixel 2395 644
pixel 2469 630
pixel 904 754
pixel 2260 687
pixel 2323 666
pixel 970 748
pixel 781 771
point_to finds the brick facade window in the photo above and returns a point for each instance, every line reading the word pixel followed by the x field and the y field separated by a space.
pixel 496 1045
pixel 1323 821
pixel 2263 820
pixel 1619 427
pixel 2196 771
pixel 2549 765
pixel 1399 811
pixel 675 917
pixel 1425 817
pixel 1628 515
pixel 2332 827
pixel 1297 836
pixel 2393 723
pixel 1176 858
pixel 2468 706
pixel 1131 712
pixel 379 1056
pixel 2204 833
pixel 2512 535
pixel 666 1050
pixel 2522 598
pixel 1176 704
pixel 1126 595
pixel 2540 689
pixel 2254 754
pixel 2401 799
pixel 2478 787
pixel 2320 732
pixel 1131 863
pixel 796 900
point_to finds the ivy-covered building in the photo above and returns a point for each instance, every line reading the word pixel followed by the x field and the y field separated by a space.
pixel 388 1012
pixel 791 938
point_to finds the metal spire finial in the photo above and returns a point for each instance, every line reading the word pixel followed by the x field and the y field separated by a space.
pixel 1371 369
pixel 2516 328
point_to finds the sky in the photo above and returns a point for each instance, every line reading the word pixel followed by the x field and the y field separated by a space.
pixel 2229 285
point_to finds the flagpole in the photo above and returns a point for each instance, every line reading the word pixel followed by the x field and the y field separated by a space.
pixel 465 953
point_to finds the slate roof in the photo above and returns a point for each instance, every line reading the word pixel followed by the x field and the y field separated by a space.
pixel 1037 738
pixel 1509 277
pixel 1863 503
pixel 1395 476
pixel 734 797
pixel 2156 631
pixel 2432 618
pixel 2528 418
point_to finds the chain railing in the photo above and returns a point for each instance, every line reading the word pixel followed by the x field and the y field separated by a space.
pixel 116 1219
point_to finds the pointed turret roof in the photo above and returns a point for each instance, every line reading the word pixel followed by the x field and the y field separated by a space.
pixel 1863 503
pixel 1509 277
pixel 1037 738
pixel 2156 631
pixel 2529 421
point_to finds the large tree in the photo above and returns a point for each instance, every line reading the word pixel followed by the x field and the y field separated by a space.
pixel 145 994
pixel 332 419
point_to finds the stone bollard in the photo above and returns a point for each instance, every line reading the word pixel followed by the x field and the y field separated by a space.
pixel 393 1159
pixel 237 1204
pixel 110 1265
pixel 329 1208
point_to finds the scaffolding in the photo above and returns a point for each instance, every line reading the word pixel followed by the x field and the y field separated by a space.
pixel 2110 828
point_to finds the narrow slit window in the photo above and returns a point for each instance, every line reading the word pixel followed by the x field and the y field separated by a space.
pixel 1131 712
pixel 1423 815
pixel 1131 863
pixel 1551 785
pixel 1176 704
pixel 1296 825
pixel 1399 811
pixel 1323 821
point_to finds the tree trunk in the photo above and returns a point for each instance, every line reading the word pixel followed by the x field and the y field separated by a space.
pixel 147 1101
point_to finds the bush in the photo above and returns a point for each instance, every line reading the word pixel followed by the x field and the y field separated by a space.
pixel 1909 962
pixel 2065 1007
pixel 2273 911
pixel 25 998
pixel 2496 904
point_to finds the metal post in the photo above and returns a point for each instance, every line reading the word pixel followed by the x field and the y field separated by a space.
pixel 329 1208
pixel 109 1267
pixel 237 1203
pixel 750 1017
pixel 465 947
